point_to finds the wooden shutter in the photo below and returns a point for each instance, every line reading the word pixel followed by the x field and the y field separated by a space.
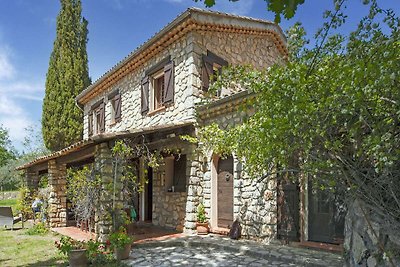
pixel 179 180
pixel 206 72
pixel 102 125
pixel 117 111
pixel 90 123
pixel 207 68
pixel 145 95
pixel 169 83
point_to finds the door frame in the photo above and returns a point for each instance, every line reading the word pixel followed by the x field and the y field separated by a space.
pixel 214 191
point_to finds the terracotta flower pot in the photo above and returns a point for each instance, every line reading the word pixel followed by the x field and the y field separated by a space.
pixel 77 258
pixel 202 228
pixel 123 253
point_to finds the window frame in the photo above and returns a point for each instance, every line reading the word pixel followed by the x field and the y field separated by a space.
pixel 97 112
pixel 171 179
pixel 157 91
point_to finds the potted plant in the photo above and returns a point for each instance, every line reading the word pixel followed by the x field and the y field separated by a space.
pixel 201 224
pixel 75 250
pixel 121 243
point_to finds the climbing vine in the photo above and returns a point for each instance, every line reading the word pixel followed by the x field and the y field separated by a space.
pixel 331 112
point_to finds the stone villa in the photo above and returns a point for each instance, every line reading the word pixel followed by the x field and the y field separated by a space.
pixel 155 95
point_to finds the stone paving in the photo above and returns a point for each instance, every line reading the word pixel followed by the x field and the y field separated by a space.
pixel 221 251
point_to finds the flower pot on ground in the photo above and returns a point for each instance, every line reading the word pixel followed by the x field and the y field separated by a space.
pixel 78 258
pixel 121 243
pixel 75 250
pixel 202 226
pixel 122 253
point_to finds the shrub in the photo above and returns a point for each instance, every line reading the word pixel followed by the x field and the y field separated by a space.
pixel 38 229
pixel 120 238
pixel 66 244
pixel 201 214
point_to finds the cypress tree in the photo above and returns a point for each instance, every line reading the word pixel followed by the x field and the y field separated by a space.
pixel 67 76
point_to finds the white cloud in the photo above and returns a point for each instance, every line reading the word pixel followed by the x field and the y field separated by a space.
pixel 16 126
pixel 14 113
pixel 6 68
pixel 22 89
pixel 9 108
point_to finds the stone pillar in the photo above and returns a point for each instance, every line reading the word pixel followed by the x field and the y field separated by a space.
pixel 193 191
pixel 104 213
pixel 32 179
pixel 58 194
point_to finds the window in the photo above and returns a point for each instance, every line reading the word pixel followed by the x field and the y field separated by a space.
pixel 158 86
pixel 212 66
pixel 175 173
pixel 115 100
pixel 157 91
pixel 96 122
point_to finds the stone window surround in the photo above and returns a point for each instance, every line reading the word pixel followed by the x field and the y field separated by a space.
pixel 170 173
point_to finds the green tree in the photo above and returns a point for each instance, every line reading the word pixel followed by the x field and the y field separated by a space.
pixel 33 147
pixel 287 8
pixel 332 112
pixel 7 155
pixel 7 152
pixel 67 76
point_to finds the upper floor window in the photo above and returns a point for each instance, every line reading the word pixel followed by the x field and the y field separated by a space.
pixel 157 90
pixel 158 86
pixel 212 66
pixel 96 119
pixel 115 100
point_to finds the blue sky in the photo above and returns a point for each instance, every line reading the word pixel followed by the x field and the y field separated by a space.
pixel 116 27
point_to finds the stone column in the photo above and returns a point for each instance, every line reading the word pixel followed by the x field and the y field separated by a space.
pixel 32 179
pixel 104 213
pixel 58 194
pixel 194 188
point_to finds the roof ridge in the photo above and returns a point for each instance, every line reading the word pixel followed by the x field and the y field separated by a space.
pixel 179 18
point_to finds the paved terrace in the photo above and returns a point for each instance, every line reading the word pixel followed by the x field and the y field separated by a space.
pixel 156 246
pixel 221 251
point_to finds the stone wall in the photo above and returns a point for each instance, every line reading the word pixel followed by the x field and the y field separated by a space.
pixel 259 51
pixel 58 194
pixel 32 179
pixel 130 89
pixel 255 199
pixel 238 49
pixel 170 208
pixel 367 241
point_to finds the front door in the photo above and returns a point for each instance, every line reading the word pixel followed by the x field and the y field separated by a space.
pixel 288 211
pixel 225 192
pixel 326 217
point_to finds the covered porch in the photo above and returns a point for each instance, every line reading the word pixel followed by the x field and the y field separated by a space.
pixel 160 203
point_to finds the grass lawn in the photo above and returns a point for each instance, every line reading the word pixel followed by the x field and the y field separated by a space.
pixel 20 249
pixel 9 202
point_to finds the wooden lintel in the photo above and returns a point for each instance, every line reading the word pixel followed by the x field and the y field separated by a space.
pixel 77 156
